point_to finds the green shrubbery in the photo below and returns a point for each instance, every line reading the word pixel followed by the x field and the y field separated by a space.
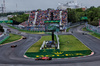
pixel 92 13
pixel 20 18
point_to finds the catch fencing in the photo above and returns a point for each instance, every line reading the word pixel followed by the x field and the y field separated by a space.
pixel 93 28
pixel 32 28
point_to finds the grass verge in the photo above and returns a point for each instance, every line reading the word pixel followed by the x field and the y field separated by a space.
pixel 11 26
pixel 95 35
pixel 70 43
pixel 31 32
pixel 36 47
pixel 68 29
pixel 69 47
pixel 13 37
pixel 84 29
pixel 92 33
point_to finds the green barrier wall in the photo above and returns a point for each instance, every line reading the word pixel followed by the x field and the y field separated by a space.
pixel 57 53
pixel 4 40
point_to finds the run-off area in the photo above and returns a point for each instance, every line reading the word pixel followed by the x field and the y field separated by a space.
pixel 69 47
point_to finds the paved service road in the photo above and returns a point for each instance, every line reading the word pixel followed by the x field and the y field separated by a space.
pixel 14 56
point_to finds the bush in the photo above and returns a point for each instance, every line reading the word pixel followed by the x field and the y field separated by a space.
pixel 94 23
pixel 19 18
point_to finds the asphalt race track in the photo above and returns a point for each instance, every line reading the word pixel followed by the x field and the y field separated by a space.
pixel 14 56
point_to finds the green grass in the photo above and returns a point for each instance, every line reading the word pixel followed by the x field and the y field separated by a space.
pixel 92 33
pixel 70 43
pixel 95 35
pixel 68 29
pixel 13 37
pixel 69 47
pixel 31 32
pixel 67 43
pixel 36 47
pixel 84 29
pixel 11 26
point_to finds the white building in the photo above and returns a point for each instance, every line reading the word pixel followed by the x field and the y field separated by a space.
pixel 71 4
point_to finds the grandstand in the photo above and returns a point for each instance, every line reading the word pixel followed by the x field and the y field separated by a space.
pixel 38 17
pixel 32 17
pixel 42 16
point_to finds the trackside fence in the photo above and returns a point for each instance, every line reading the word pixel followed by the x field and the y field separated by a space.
pixel 3 37
pixel 93 28
pixel 32 28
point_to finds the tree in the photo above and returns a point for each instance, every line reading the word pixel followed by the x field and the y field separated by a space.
pixel 1 29
pixel 50 9
pixel 71 15
pixel 79 10
pixel 38 9
pixel 93 15
pixel 74 15
pixel 20 18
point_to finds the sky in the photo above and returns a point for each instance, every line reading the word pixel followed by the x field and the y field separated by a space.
pixel 25 5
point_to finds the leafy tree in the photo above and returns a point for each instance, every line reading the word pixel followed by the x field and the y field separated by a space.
pixel 72 15
pixel 95 23
pixel 79 10
pixel 50 9
pixel 93 15
pixel 38 9
pixel 1 29
pixel 20 18
pixel 12 13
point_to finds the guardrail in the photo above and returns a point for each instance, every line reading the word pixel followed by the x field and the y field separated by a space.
pixel 93 28
pixel 3 37
pixel 70 25
pixel 33 28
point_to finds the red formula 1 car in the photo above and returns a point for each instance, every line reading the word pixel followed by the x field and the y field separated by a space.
pixel 44 58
